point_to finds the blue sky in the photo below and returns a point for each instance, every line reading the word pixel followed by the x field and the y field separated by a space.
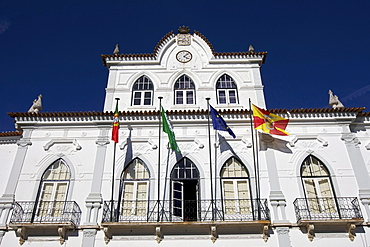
pixel 54 47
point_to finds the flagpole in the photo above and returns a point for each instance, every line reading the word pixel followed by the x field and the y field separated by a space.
pixel 210 160
pixel 159 153
pixel 256 167
pixel 113 171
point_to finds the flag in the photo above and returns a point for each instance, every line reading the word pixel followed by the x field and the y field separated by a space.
pixel 168 129
pixel 219 123
pixel 268 122
pixel 115 125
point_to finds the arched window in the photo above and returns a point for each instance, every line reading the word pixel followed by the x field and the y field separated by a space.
pixel 135 184
pixel 184 91
pixel 317 184
pixel 53 190
pixel 226 90
pixel 142 91
pixel 236 188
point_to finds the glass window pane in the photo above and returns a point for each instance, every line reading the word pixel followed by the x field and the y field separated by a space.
pixel 221 97
pixel 179 97
pixel 136 170
pixel 184 82
pixel 232 96
pixel 233 168
pixel 189 97
pixel 225 81
pixel 148 98
pixel 137 98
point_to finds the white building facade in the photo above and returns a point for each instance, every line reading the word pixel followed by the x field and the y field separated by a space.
pixel 64 182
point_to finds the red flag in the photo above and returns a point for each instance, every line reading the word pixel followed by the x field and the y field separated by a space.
pixel 115 125
pixel 268 122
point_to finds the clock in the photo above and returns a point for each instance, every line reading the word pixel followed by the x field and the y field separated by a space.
pixel 183 56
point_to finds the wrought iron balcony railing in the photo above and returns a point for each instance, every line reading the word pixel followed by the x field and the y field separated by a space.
pixel 327 208
pixel 55 212
pixel 185 210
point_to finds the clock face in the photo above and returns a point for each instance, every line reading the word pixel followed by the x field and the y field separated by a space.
pixel 184 56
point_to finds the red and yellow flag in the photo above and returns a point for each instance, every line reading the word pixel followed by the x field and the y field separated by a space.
pixel 115 125
pixel 268 122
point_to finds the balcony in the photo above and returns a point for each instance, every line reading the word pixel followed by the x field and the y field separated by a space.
pixel 177 216
pixel 29 217
pixel 314 214
pixel 189 210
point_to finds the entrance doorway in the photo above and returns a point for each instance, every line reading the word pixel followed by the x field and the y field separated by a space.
pixel 185 191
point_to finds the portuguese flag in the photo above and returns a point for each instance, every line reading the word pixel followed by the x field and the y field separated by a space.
pixel 115 125
pixel 268 122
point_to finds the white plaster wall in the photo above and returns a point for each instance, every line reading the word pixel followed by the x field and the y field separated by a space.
pixel 203 69
pixel 7 154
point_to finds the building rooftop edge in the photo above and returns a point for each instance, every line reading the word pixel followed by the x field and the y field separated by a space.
pixel 172 35
pixel 358 110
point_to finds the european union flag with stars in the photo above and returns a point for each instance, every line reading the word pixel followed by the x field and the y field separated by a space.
pixel 219 123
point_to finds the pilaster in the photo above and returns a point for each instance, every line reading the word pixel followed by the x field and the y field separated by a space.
pixel 276 196
pixel 89 237
pixel 359 168
pixel 94 199
pixel 6 200
pixel 283 236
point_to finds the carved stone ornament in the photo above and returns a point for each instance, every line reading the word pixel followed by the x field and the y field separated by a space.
pixel 282 230
pixel 265 230
pixel 107 235
pixel 351 231
pixel 62 234
pixel 350 138
pixel 89 233
pixel 102 141
pixel 62 141
pixel 22 235
pixel 183 30
pixel 310 232
pixel 199 143
pixel 307 143
pixel 214 234
pixel 24 142
pixel 183 39
pixel 158 234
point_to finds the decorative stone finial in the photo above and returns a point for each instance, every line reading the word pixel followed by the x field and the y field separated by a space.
pixel 37 105
pixel 251 49
pixel 334 100
pixel 184 30
pixel 116 50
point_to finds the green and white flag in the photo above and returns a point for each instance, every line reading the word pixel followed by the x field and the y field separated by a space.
pixel 168 129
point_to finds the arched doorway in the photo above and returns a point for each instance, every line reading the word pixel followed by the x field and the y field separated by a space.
pixel 185 191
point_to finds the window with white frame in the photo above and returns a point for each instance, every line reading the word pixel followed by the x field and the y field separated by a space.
pixel 53 190
pixel 142 91
pixel 317 183
pixel 184 91
pixel 236 188
pixel 226 90
pixel 135 181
